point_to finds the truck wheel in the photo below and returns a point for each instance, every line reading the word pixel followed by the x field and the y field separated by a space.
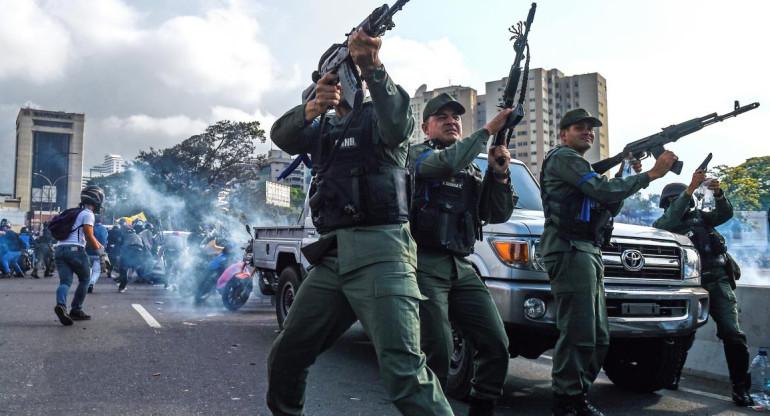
pixel 288 284
pixel 460 367
pixel 645 364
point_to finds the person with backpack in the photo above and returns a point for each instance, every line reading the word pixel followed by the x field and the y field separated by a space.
pixel 74 228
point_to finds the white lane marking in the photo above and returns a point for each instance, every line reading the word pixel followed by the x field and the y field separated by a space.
pixel 684 389
pixel 146 315
pixel 707 394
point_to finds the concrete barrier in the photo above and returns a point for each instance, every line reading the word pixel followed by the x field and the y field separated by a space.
pixel 707 357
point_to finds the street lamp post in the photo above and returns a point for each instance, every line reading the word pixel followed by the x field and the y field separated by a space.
pixel 51 185
pixel 48 159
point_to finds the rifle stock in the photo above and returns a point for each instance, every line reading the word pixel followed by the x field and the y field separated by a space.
pixel 654 144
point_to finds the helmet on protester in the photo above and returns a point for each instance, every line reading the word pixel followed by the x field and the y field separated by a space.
pixel 671 190
pixel 148 226
pixel 92 195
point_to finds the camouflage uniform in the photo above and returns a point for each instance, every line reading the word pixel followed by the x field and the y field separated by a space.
pixel 576 271
pixel 454 291
pixel 723 307
pixel 369 276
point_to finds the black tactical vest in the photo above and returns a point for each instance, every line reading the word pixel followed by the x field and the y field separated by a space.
pixel 706 239
pixel 353 187
pixel 598 229
pixel 444 215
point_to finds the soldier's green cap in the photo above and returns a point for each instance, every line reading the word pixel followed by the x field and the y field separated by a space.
pixel 576 115
pixel 438 102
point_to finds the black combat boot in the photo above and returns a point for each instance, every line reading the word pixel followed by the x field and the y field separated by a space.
pixel 678 376
pixel 34 273
pixel 737 357
pixel 573 406
pixel 481 407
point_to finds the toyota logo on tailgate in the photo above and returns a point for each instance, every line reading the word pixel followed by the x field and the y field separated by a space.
pixel 632 260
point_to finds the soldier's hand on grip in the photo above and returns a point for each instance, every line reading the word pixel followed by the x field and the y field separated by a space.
pixel 327 95
pixel 663 165
pixel 497 153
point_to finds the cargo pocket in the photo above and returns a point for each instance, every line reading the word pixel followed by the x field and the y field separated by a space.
pixel 397 312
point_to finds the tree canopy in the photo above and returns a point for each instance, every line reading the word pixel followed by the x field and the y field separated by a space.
pixel 748 184
pixel 183 182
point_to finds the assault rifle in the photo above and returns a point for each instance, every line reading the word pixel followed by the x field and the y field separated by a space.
pixel 337 59
pixel 520 34
pixel 642 148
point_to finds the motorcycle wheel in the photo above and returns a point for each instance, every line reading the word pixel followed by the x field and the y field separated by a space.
pixel 205 289
pixel 236 293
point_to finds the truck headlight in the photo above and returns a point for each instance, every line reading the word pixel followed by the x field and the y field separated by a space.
pixel 519 253
pixel 691 262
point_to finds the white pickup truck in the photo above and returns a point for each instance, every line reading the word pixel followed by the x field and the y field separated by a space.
pixel 652 280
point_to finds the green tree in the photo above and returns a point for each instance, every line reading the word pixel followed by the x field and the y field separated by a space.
pixel 748 184
pixel 183 182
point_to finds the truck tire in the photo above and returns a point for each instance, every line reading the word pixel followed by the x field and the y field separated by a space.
pixel 460 367
pixel 645 364
pixel 288 284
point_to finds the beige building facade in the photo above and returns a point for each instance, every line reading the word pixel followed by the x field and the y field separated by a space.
pixel 49 160
pixel 549 95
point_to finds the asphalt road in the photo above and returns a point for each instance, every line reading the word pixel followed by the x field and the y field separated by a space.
pixel 206 360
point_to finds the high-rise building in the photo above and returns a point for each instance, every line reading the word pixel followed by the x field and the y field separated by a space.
pixel 549 95
pixel 276 162
pixel 112 164
pixel 49 160
pixel 464 95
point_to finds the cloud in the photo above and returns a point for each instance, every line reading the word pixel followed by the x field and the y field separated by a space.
pixel 175 126
pixel 96 25
pixel 415 63
pixel 217 53
pixel 35 46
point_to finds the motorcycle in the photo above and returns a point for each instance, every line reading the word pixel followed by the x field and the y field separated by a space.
pixel 237 281
pixel 207 277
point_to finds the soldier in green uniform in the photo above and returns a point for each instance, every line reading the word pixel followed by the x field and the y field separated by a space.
pixel 579 205
pixel 445 222
pixel 359 205
pixel 717 271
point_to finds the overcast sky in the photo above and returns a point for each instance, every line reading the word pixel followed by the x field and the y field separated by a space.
pixel 153 73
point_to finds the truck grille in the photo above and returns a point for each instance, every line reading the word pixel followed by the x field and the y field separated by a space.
pixel 659 261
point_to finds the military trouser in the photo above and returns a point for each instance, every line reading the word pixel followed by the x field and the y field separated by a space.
pixel 577 284
pixel 385 298
pixel 723 308
pixel 466 302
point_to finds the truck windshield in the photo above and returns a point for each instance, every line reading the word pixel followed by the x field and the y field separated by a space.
pixel 523 183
